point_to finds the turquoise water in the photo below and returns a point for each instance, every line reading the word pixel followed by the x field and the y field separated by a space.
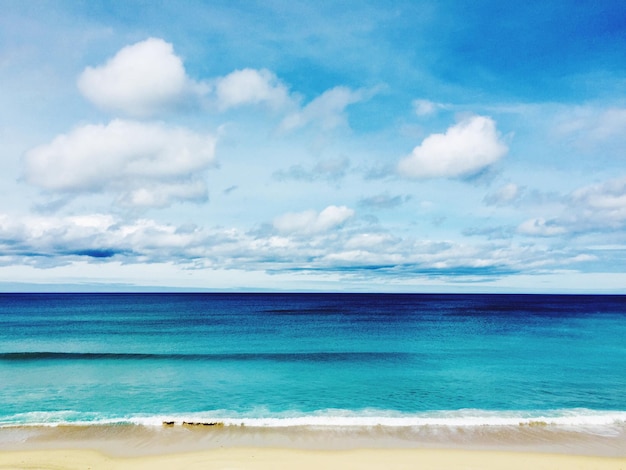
pixel 280 359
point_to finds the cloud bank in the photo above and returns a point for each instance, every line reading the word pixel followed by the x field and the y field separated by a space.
pixel 308 241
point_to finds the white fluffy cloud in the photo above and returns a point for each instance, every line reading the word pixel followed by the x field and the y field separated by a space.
pixel 147 78
pixel 465 148
pixel 311 221
pixel 250 86
pixel 140 80
pixel 143 164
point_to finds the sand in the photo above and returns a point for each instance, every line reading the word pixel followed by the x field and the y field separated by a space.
pixel 266 459
pixel 231 448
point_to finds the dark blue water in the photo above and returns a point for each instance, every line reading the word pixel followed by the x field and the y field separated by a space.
pixel 129 357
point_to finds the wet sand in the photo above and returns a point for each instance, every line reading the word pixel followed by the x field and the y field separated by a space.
pixel 235 447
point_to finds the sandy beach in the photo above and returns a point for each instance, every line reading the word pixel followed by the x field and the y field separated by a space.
pixel 262 458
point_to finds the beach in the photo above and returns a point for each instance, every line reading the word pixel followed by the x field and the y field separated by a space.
pixel 266 458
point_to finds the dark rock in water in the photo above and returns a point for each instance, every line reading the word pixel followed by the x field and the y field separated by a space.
pixel 168 423
pixel 185 423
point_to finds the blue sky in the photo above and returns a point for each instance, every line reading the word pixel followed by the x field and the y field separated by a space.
pixel 410 146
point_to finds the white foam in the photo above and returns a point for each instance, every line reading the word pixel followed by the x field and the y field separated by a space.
pixel 58 418
pixel 336 418
pixel 369 418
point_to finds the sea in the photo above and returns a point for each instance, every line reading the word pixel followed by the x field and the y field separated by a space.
pixel 414 368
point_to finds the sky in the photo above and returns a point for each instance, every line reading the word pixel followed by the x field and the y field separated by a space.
pixel 357 146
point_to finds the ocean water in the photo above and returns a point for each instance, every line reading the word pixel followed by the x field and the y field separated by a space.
pixel 275 360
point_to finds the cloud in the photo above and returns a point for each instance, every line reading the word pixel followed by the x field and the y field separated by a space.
pixel 142 79
pixel 505 195
pixel 251 87
pixel 48 240
pixel 611 123
pixel 601 204
pixel 591 126
pixel 426 107
pixel 492 233
pixel 384 201
pixel 308 242
pixel 144 165
pixel 541 227
pixel 327 110
pixel 147 78
pixel 465 149
pixel 331 169
pixel 594 208
pixel 311 221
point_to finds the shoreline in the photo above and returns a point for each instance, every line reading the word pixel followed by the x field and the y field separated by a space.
pixel 132 440
pixel 197 446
